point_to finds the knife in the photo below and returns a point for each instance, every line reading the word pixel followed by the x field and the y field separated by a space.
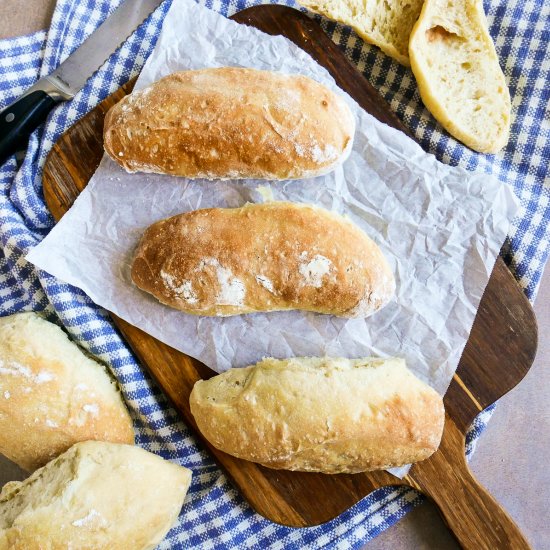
pixel 21 118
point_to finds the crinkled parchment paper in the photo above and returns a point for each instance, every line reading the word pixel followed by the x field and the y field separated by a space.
pixel 440 227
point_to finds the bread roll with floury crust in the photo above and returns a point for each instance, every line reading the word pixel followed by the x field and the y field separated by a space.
pixel 262 257
pixel 52 395
pixel 231 122
pixel 321 414
pixel 95 496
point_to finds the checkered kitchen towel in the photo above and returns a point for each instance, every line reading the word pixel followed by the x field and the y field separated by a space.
pixel 215 515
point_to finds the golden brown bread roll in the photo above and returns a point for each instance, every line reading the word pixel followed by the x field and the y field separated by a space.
pixel 95 496
pixel 262 257
pixel 52 395
pixel 231 122
pixel 321 414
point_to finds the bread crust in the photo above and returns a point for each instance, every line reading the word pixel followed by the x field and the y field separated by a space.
pixel 52 395
pixel 231 122
pixel 95 496
pixel 454 61
pixel 321 414
pixel 262 257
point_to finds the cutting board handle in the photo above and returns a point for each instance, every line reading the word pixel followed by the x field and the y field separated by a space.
pixel 471 513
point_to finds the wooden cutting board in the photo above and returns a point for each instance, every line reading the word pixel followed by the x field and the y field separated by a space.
pixel 498 354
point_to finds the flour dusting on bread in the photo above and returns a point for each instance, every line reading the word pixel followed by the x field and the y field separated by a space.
pixel 262 257
pixel 313 270
pixel 266 283
pixel 231 289
pixel 14 368
pixel 183 290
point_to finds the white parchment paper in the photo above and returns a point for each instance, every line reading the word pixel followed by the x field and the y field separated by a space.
pixel 440 227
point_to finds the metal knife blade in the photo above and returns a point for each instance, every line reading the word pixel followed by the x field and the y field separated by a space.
pixel 90 55
pixel 21 118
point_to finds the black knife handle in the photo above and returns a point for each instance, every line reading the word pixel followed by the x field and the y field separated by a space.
pixel 20 119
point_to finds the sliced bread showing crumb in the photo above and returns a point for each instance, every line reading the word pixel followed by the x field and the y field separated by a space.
pixel 459 77
pixel 383 23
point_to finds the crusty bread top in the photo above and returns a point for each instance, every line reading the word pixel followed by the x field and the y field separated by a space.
pixel 321 414
pixel 459 77
pixel 231 122
pixel 51 394
pixel 384 23
pixel 263 257
pixel 95 496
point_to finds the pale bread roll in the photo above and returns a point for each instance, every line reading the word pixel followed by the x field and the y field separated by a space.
pixel 95 496
pixel 383 23
pixel 262 257
pixel 459 77
pixel 321 414
pixel 52 395
pixel 231 122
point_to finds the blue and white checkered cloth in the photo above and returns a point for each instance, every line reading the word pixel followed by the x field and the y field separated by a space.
pixel 214 514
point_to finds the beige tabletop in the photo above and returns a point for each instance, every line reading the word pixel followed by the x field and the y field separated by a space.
pixel 511 456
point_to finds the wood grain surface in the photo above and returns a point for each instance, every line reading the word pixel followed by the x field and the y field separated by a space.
pixel 498 354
